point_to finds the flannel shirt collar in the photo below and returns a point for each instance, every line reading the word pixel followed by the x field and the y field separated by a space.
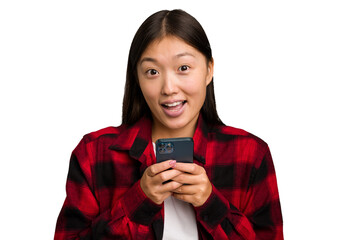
pixel 137 138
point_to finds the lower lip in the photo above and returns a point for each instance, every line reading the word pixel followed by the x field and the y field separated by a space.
pixel 174 112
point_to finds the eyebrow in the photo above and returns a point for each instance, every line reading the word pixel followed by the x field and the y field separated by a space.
pixel 149 59
pixel 184 54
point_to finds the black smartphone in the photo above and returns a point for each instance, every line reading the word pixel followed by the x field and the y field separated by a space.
pixel 179 149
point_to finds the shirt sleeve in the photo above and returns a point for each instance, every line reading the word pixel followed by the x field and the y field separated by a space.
pixel 260 218
pixel 80 218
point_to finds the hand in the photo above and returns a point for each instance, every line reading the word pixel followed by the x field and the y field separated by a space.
pixel 152 181
pixel 197 188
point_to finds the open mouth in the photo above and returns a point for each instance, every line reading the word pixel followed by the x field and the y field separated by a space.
pixel 174 105
pixel 174 109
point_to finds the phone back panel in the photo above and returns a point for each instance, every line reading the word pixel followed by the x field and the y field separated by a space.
pixel 179 149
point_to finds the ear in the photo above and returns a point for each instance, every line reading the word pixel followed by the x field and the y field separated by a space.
pixel 210 72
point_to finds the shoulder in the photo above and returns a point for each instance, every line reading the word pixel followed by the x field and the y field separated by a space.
pixel 122 136
pixel 228 132
pixel 243 140
pixel 241 145
pixel 105 136
pixel 100 140
pixel 107 132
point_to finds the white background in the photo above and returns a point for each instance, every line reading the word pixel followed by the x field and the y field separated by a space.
pixel 287 71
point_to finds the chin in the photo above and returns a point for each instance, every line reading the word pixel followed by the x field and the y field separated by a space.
pixel 176 123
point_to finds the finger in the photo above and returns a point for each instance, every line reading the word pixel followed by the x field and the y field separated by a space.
pixel 169 187
pixel 186 189
pixel 159 167
pixel 187 178
pixel 189 168
pixel 166 175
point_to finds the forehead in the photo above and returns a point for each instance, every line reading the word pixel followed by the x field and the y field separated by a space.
pixel 170 47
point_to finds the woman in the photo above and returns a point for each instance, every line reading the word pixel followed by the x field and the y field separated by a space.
pixel 115 188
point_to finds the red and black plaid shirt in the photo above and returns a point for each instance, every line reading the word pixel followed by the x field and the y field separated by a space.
pixel 104 199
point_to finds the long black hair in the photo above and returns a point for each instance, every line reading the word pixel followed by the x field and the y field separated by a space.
pixel 165 23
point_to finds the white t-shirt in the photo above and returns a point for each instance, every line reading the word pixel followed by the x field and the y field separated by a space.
pixel 179 219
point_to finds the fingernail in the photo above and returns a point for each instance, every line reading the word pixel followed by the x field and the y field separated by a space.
pixel 172 163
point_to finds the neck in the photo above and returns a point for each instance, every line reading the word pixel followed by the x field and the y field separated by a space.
pixel 161 131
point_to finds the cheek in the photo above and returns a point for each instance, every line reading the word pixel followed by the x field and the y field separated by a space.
pixel 196 88
pixel 149 92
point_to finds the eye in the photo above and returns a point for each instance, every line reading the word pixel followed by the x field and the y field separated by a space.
pixel 184 68
pixel 152 72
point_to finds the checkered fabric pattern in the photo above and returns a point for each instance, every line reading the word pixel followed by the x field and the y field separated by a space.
pixel 104 199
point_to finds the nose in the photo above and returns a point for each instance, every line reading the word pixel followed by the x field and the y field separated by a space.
pixel 169 86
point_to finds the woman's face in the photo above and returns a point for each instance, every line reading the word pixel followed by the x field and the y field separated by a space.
pixel 173 77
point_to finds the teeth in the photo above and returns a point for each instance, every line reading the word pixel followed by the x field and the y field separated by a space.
pixel 173 104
